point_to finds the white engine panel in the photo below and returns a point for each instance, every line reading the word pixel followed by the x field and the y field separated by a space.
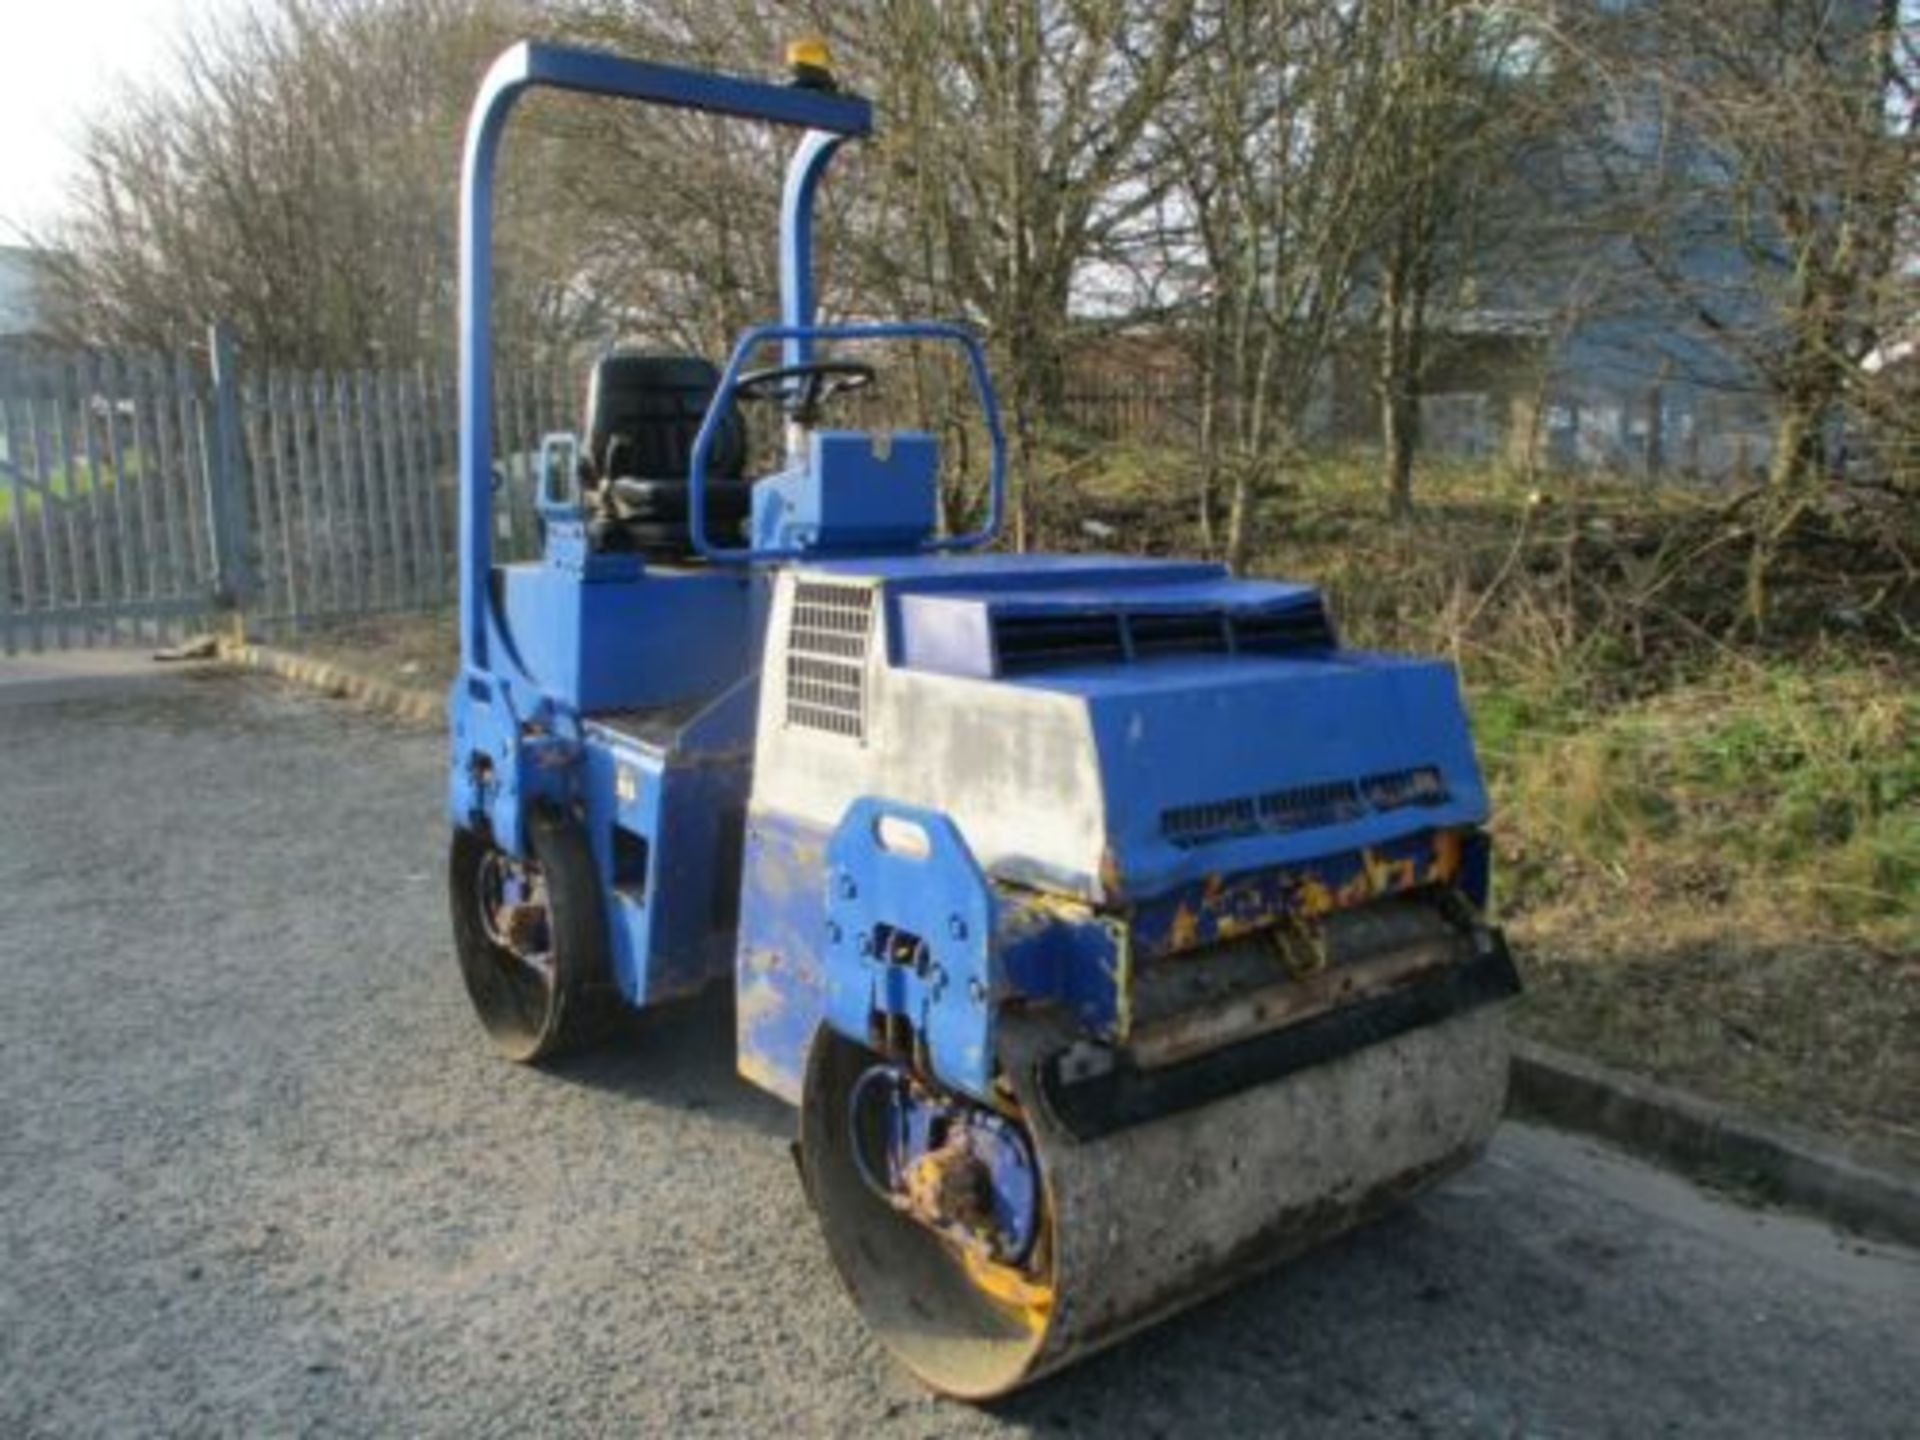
pixel 1014 766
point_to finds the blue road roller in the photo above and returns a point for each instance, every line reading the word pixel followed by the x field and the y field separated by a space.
pixel 1113 929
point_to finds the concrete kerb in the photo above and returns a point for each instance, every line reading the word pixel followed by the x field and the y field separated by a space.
pixel 1714 1143
pixel 1697 1137
pixel 420 706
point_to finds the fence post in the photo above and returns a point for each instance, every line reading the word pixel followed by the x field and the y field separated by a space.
pixel 227 501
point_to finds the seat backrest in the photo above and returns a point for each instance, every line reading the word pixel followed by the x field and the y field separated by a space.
pixel 644 411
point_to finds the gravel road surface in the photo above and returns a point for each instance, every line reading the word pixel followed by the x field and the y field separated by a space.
pixel 260 1175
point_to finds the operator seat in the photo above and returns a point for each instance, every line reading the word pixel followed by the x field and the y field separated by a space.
pixel 643 414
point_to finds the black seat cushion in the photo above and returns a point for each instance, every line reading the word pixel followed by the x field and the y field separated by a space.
pixel 639 499
pixel 643 415
pixel 652 516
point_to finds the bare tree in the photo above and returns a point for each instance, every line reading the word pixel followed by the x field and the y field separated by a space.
pixel 1460 108
pixel 296 177
pixel 1015 155
pixel 1276 138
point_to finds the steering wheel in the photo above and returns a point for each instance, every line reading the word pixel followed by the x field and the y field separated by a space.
pixel 805 388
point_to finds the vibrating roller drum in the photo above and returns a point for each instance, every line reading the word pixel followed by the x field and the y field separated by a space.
pixel 1139 1220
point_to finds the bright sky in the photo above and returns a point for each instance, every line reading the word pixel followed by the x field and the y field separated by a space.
pixel 64 58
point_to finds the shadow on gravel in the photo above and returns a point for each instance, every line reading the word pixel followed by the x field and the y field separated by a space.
pixel 1436 1294
pixel 1270 1335
pixel 682 1055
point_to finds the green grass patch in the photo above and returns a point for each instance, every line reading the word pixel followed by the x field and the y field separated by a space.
pixel 1798 785
pixel 66 483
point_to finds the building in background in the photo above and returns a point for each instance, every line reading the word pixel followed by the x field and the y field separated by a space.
pixel 1631 293
pixel 25 299
pixel 1563 346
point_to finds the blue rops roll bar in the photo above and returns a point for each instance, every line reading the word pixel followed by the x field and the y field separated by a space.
pixel 829 117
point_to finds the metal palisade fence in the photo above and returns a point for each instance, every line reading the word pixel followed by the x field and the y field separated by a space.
pixel 142 495
pixel 103 514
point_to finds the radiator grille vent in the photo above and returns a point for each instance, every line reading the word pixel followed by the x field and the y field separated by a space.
pixel 1046 642
pixel 1397 789
pixel 827 658
pixel 1311 807
pixel 1200 632
pixel 1026 643
pixel 1303 807
pixel 1189 824
pixel 1305 627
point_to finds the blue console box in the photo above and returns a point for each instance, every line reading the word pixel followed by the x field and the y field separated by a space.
pixel 857 491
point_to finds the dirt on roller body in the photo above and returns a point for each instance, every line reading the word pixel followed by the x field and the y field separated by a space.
pixel 261 1175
